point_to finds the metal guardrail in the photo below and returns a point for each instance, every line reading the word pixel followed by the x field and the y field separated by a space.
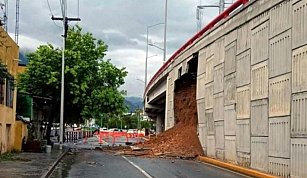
pixel 73 136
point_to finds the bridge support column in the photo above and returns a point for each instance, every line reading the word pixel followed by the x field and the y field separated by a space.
pixel 159 124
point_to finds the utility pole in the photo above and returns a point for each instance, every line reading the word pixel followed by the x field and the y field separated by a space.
pixel 65 20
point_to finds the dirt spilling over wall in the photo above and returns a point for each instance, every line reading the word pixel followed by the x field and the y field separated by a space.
pixel 181 140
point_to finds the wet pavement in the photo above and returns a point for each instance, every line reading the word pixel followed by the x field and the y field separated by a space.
pixel 28 165
pixel 32 165
pixel 96 164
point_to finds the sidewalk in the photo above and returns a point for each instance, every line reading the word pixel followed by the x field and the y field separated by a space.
pixel 36 165
pixel 29 165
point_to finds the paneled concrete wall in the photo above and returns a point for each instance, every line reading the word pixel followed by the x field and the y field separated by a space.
pixel 252 88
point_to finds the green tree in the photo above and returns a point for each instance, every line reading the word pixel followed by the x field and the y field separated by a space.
pixel 131 121
pixel 146 124
pixel 91 83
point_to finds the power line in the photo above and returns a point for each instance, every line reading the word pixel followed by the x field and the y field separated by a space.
pixel 49 7
pixel 62 9
pixel 56 24
pixel 52 14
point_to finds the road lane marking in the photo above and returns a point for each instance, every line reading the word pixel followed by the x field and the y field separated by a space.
pixel 136 166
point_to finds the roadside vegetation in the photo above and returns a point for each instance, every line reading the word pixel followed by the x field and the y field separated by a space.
pixel 12 156
pixel 91 82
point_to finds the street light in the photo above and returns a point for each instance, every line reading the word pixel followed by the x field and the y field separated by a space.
pixel 140 80
pixel 153 45
pixel 148 27
pixel 199 15
pixel 165 28
pixel 152 56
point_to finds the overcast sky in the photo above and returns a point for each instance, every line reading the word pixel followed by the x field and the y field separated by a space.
pixel 120 23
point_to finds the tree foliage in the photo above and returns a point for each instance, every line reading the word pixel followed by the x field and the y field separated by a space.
pixel 131 121
pixel 91 83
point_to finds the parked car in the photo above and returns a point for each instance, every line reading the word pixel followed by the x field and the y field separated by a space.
pixel 103 129
pixel 132 131
pixel 113 130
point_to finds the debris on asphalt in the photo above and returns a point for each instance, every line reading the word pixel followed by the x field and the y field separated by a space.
pixel 94 164
pixel 135 148
pixel 119 153
pixel 181 140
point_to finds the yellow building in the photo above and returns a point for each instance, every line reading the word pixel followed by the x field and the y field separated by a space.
pixel 8 56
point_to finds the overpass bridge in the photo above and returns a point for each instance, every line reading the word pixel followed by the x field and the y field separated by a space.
pixel 250 68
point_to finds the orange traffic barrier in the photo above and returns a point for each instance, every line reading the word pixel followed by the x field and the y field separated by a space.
pixel 114 135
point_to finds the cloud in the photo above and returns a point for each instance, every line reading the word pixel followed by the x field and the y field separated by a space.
pixel 29 43
pixel 121 24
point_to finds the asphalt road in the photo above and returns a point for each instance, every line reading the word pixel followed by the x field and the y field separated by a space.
pixel 96 164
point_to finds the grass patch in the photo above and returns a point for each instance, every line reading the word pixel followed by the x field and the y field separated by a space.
pixel 11 156
pixel 7 156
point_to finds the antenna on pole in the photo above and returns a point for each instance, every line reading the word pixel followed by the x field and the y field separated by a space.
pixel 17 21
pixel 3 19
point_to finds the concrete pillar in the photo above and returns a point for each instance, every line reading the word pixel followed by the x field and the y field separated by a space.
pixel 159 124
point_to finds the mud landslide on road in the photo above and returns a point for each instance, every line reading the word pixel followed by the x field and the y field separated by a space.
pixel 181 140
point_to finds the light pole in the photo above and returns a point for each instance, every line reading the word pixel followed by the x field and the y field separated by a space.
pixel 199 14
pixel 153 45
pixel 165 28
pixel 146 60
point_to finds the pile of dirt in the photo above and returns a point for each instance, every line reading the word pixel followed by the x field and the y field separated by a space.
pixel 181 140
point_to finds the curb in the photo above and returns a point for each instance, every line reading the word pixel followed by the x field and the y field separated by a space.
pixel 239 169
pixel 51 168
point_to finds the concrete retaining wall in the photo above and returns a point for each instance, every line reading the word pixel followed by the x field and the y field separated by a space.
pixel 252 87
pixel 255 85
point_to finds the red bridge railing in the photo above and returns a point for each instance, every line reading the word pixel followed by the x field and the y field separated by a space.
pixel 220 17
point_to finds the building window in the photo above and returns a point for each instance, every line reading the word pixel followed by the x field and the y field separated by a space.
pixel 1 91
pixel 9 92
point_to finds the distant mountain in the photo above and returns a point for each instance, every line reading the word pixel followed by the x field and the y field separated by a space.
pixel 23 60
pixel 133 103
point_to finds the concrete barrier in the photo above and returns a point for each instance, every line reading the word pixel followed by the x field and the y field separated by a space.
pixel 236 168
